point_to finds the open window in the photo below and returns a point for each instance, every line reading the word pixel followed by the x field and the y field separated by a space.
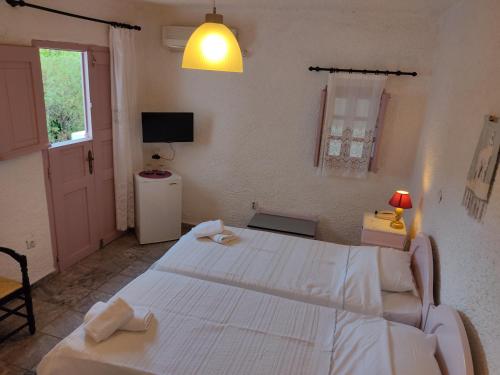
pixel 66 88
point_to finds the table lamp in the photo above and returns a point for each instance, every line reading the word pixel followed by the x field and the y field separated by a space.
pixel 400 200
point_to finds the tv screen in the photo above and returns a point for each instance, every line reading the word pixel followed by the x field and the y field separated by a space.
pixel 167 127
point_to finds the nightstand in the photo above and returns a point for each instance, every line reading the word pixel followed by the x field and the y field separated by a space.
pixel 379 232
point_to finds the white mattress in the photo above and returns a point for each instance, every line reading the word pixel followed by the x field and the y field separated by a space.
pixel 402 307
pixel 208 328
pixel 323 273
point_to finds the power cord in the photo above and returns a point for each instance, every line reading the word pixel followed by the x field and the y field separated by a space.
pixel 158 156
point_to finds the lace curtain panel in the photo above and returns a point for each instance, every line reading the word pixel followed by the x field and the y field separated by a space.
pixel 352 108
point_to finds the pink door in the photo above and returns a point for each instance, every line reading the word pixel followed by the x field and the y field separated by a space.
pixel 102 136
pixel 81 171
pixel 72 177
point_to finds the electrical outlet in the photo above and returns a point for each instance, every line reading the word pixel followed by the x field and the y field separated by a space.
pixel 30 244
pixel 254 205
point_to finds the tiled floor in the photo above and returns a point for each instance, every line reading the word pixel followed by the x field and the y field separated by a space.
pixel 61 300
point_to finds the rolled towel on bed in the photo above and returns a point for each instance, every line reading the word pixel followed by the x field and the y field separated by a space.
pixel 224 238
pixel 208 228
pixel 107 321
pixel 139 322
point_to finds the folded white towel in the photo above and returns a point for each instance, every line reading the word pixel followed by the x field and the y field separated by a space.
pixel 139 322
pixel 112 317
pixel 223 238
pixel 208 228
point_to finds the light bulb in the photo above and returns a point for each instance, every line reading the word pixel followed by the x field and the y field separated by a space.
pixel 214 47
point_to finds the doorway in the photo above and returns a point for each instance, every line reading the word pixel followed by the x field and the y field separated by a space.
pixel 79 160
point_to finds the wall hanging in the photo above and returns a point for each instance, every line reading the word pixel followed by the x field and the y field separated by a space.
pixel 483 169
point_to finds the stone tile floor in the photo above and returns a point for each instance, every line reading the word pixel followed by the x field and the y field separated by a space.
pixel 60 300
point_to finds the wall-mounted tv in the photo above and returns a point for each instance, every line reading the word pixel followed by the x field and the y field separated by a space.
pixel 167 127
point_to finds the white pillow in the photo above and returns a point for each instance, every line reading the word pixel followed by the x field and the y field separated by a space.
pixel 413 351
pixel 395 271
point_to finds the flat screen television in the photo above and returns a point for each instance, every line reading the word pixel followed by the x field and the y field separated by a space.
pixel 167 127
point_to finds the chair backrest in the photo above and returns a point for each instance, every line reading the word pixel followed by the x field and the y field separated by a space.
pixel 23 263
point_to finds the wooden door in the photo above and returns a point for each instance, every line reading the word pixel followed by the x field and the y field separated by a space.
pixel 81 172
pixel 74 201
pixel 102 136
pixel 22 112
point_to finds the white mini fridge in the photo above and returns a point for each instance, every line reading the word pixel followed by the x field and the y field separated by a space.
pixel 158 206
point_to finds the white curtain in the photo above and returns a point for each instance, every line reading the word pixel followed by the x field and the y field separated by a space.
pixel 352 107
pixel 127 153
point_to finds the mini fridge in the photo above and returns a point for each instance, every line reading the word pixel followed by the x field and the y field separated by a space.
pixel 158 206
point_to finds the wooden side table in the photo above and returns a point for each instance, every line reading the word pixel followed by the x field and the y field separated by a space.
pixel 379 232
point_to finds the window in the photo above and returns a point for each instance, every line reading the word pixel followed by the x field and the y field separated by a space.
pixel 65 84
pixel 352 108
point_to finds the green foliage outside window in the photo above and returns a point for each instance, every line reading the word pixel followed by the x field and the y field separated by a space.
pixel 63 87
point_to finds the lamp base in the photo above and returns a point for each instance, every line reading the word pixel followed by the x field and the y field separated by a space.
pixel 397 223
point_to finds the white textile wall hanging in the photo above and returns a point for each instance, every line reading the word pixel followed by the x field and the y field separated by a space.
pixel 352 108
pixel 483 169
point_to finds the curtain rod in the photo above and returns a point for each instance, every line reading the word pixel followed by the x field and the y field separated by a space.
pixel 22 3
pixel 362 71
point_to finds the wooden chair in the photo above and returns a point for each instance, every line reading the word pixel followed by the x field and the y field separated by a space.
pixel 11 290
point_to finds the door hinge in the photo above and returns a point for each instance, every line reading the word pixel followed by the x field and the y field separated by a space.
pixel 49 173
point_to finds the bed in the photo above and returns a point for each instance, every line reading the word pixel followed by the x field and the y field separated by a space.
pixel 324 273
pixel 207 328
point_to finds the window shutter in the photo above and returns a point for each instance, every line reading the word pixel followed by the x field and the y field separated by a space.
pixel 22 124
pixel 379 128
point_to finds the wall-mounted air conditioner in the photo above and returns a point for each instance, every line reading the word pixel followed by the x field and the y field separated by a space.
pixel 175 37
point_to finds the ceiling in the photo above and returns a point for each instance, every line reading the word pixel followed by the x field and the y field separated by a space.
pixel 413 6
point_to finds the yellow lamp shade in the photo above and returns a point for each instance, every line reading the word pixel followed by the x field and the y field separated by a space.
pixel 213 46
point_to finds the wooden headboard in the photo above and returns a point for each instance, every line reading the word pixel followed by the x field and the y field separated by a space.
pixel 453 351
pixel 422 265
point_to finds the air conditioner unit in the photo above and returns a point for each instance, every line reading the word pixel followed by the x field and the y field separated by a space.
pixel 175 38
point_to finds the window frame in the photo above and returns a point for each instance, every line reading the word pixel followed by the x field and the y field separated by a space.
pixel 87 104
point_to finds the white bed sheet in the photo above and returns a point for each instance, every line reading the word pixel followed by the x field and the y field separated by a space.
pixel 209 328
pixel 323 273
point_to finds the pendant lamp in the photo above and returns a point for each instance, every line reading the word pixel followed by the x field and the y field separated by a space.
pixel 213 46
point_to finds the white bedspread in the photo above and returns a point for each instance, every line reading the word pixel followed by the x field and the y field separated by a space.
pixel 324 273
pixel 208 328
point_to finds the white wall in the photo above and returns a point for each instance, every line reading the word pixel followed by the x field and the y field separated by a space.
pixel 23 205
pixel 465 88
pixel 255 132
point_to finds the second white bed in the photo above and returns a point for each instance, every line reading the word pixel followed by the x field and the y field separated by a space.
pixel 324 273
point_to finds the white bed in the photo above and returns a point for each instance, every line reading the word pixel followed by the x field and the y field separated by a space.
pixel 209 328
pixel 324 273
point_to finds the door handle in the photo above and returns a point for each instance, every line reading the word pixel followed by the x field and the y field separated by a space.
pixel 90 159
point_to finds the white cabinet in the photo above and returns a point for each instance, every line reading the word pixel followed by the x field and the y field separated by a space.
pixel 158 205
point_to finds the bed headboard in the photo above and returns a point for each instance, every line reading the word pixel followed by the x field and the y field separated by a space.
pixel 453 350
pixel 422 265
